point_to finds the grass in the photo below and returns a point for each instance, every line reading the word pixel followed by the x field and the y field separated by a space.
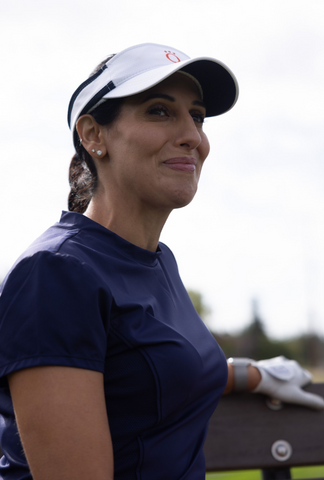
pixel 300 472
pixel 240 475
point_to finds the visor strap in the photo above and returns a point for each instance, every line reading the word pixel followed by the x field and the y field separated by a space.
pixel 94 101
pixel 82 87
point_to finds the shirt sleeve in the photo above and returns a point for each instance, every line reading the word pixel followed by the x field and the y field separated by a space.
pixel 54 310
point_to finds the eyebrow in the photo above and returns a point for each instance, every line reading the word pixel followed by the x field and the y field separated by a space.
pixel 171 99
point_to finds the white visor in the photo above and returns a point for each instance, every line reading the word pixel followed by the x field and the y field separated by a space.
pixel 140 67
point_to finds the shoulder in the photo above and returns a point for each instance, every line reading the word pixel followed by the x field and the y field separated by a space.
pixel 166 251
pixel 47 253
pixel 167 256
pixel 54 238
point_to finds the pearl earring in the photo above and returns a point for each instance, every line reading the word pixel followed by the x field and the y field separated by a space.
pixel 99 152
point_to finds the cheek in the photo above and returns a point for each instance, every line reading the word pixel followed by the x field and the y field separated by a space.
pixel 145 141
pixel 154 139
pixel 204 147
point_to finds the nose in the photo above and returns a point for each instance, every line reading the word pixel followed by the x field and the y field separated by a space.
pixel 187 135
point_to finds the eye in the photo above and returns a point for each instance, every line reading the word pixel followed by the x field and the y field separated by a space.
pixel 198 117
pixel 158 110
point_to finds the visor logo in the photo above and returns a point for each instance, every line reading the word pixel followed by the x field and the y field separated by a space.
pixel 172 56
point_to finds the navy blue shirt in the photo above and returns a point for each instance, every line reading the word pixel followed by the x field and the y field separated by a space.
pixel 81 296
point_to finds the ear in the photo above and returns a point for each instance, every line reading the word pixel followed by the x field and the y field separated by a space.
pixel 89 132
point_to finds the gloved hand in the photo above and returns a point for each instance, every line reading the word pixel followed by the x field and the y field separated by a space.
pixel 282 379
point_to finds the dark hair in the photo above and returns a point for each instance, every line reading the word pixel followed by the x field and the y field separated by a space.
pixel 83 177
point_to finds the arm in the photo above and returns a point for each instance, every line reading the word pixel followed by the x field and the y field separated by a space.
pixel 278 378
pixel 62 421
pixel 253 380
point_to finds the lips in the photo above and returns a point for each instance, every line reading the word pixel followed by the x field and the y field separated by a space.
pixel 184 164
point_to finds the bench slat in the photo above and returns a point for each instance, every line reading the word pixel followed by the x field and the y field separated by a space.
pixel 243 430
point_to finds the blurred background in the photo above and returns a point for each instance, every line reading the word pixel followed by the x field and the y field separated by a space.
pixel 250 245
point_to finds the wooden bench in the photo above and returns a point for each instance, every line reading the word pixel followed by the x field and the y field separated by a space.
pixel 247 431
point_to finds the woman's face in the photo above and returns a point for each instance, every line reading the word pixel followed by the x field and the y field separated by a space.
pixel 156 147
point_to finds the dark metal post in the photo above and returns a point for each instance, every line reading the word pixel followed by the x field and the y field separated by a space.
pixel 276 474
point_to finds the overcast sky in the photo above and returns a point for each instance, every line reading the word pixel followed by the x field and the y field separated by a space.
pixel 256 226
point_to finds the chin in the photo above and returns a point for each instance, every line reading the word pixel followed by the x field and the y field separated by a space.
pixel 182 198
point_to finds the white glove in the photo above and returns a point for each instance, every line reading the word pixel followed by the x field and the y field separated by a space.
pixel 282 379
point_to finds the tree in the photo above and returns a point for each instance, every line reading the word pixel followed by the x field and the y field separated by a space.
pixel 198 301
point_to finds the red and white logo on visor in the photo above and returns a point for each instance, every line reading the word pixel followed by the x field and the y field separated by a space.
pixel 172 56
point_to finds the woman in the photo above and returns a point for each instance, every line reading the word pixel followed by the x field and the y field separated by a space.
pixel 109 369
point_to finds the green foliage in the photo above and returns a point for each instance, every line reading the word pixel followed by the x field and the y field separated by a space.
pixel 253 341
pixel 198 302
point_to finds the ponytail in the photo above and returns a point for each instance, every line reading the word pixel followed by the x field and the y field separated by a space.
pixel 83 181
